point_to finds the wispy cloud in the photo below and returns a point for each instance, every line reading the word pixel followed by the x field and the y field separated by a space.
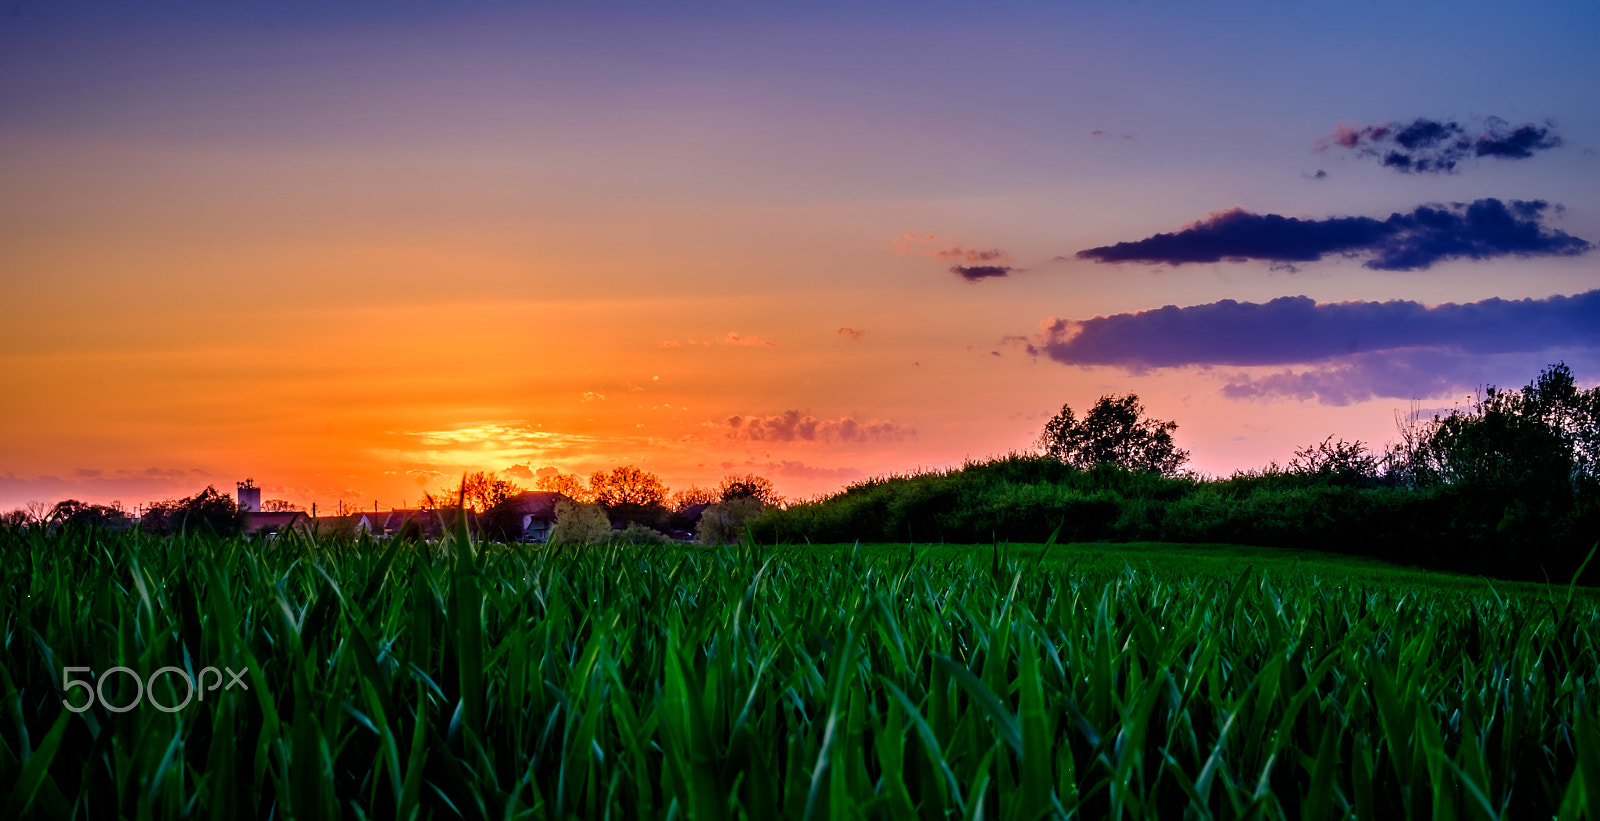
pixel 794 426
pixel 1429 234
pixel 970 263
pixel 851 334
pixel 789 469
pixel 1426 146
pixel 731 338
pixel 482 445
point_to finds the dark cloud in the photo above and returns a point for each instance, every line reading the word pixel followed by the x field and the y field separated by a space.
pixel 1427 146
pixel 793 426
pixel 1295 329
pixel 1483 229
pixel 1108 134
pixel 519 471
pixel 973 273
pixel 852 334
pixel 1518 144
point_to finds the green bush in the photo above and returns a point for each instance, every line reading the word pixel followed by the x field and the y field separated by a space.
pixel 637 535
pixel 580 523
pixel 724 522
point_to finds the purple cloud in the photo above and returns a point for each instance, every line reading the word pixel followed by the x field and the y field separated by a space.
pixel 1412 373
pixel 973 264
pixel 1340 353
pixel 1427 146
pixel 1483 229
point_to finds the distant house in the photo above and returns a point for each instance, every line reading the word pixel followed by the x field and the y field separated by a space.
pixel 685 521
pixel 429 524
pixel 537 509
pixel 264 523
pixel 534 515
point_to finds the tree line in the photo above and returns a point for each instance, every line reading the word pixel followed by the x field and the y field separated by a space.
pixel 1507 486
pixel 1541 442
pixel 624 503
pixel 634 502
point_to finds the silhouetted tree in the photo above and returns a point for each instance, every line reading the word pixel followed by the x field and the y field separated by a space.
pixel 566 484
pixel 627 485
pixel 1114 432
pixel 207 509
pixel 477 492
pixel 1542 440
pixel 37 511
pixel 1518 469
pixel 631 495
pixel 1337 461
pixel 749 486
pixel 691 496
pixel 73 513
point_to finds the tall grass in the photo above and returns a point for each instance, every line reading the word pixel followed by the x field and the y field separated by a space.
pixel 461 680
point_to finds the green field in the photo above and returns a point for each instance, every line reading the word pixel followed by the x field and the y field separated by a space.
pixel 1179 562
pixel 881 681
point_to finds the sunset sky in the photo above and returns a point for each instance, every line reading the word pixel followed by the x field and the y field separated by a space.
pixel 353 249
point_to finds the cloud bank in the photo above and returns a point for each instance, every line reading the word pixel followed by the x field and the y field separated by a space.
pixel 1344 352
pixel 1425 146
pixel 1483 229
pixel 1414 373
pixel 1295 329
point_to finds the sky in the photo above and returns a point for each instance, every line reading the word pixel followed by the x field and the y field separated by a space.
pixel 352 250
